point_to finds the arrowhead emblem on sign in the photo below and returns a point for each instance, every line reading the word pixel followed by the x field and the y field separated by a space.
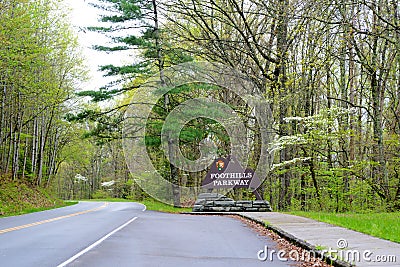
pixel 228 173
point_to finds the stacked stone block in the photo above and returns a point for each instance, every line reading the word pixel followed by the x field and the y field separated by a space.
pixel 212 202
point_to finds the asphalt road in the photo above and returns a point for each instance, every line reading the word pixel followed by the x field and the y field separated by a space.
pixel 124 234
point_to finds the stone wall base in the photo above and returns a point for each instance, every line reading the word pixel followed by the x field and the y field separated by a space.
pixel 216 202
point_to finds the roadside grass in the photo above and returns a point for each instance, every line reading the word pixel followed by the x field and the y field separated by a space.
pixel 31 210
pixel 151 204
pixel 108 200
pixel 382 225
pixel 18 198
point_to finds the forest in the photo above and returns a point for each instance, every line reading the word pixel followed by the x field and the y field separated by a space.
pixel 328 72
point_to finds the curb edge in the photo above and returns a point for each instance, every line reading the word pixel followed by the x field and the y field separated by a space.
pixel 296 241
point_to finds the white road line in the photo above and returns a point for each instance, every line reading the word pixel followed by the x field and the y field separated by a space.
pixel 95 243
pixel 144 209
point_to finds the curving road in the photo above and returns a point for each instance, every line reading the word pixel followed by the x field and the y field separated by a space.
pixel 125 234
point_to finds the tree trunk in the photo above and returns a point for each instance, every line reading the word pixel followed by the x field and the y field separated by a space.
pixel 174 174
pixel 280 79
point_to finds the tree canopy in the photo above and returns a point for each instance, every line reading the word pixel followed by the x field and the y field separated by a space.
pixel 329 71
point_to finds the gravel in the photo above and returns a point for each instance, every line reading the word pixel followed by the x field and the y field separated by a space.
pixel 306 258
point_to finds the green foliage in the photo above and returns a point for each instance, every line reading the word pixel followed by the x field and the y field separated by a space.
pixel 39 66
pixel 109 49
pixel 97 96
pixel 139 69
pixel 333 91
pixel 19 198
pixel 100 194
pixel 193 132
pixel 145 41
pixel 326 185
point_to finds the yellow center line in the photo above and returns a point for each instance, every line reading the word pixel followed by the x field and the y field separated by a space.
pixel 52 220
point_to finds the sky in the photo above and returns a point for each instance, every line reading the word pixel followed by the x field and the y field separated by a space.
pixel 84 15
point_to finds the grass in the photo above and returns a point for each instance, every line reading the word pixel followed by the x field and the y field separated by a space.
pixel 31 210
pixel 382 225
pixel 150 204
pixel 18 198
pixel 108 200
